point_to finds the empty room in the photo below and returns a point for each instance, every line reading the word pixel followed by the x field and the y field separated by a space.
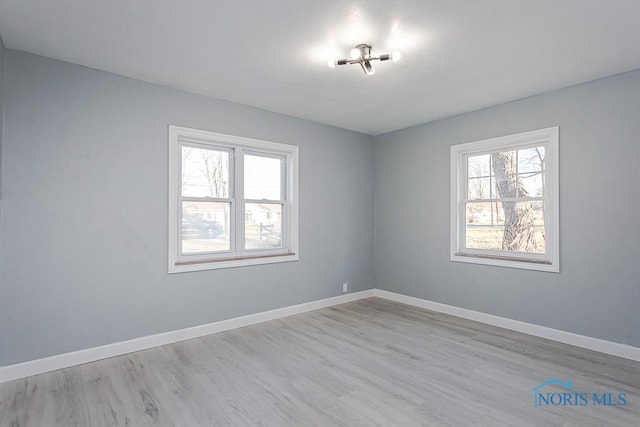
pixel 305 213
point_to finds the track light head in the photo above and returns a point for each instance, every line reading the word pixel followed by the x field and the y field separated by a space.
pixel 367 68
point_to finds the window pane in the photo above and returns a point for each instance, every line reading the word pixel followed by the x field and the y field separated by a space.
pixel 262 178
pixel 539 240
pixel 503 162
pixel 478 166
pixel 485 226
pixel 485 213
pixel 504 178
pixel 205 173
pixel 478 188
pixel 263 226
pixel 205 227
pixel 530 185
pixel 531 159
pixel 504 186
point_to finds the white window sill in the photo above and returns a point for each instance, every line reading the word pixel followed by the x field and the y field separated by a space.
pixel 526 264
pixel 214 264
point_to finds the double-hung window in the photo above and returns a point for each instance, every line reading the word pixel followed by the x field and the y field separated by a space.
pixel 232 201
pixel 504 201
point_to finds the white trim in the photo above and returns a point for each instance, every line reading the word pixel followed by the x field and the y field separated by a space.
pixel 61 361
pixel 589 343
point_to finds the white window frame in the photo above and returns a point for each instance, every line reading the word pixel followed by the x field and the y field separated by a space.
pixel 550 260
pixel 237 147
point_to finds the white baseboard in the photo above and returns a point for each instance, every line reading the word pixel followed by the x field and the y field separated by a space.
pixel 53 363
pixel 595 344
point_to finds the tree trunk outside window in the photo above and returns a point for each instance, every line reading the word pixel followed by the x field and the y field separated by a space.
pixel 518 216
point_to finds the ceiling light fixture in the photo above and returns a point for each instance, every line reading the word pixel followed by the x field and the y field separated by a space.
pixel 361 54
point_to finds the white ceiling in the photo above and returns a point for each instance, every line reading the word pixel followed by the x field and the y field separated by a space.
pixel 458 55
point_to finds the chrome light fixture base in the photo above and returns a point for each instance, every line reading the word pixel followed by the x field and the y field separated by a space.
pixel 361 54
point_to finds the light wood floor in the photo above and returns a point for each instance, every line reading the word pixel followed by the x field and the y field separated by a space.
pixel 366 363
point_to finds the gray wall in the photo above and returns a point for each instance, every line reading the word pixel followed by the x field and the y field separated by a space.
pixel 2 302
pixel 85 211
pixel 1 120
pixel 597 292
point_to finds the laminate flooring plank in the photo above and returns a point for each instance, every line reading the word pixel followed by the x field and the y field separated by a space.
pixel 371 362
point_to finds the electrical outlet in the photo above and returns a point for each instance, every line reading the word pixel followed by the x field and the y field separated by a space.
pixel 345 287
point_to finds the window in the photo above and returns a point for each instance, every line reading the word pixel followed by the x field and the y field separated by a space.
pixel 504 201
pixel 232 201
